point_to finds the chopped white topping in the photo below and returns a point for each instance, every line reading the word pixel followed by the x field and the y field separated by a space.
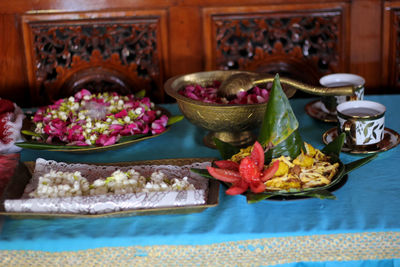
pixel 68 184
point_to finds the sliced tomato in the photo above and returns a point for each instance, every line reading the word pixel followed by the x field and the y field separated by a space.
pixel 238 188
pixel 227 165
pixel 248 170
pixel 257 187
pixel 257 154
pixel 269 173
pixel 228 176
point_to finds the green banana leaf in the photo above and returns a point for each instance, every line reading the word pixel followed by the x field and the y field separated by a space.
pixel 225 149
pixel 291 146
pixel 174 119
pixel 280 125
pixel 279 128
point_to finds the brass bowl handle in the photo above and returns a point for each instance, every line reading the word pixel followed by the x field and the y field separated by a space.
pixel 247 80
pixel 315 90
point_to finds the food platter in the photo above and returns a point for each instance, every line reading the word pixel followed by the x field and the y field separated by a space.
pixel 23 175
pixel 319 192
pixel 336 184
pixel 123 142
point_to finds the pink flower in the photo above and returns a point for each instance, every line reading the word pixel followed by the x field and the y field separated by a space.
pixel 104 140
pixel 121 114
pixel 145 129
pixel 79 96
pixel 75 133
pixel 116 129
pixel 56 105
pixel 130 129
pixel 209 95
pixel 77 143
pixel 149 116
pixel 55 127
pixel 146 101
pixel 158 126
pixel 39 114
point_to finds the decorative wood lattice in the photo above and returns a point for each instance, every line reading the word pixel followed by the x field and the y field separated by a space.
pixel 293 43
pixel 98 55
pixel 396 69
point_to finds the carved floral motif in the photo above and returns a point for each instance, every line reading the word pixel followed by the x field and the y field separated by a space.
pixel 396 26
pixel 243 42
pixel 127 48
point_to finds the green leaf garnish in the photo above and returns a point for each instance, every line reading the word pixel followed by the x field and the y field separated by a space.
pixel 225 149
pixel 27 132
pixel 109 179
pixel 321 194
pixel 358 163
pixel 131 137
pixel 174 119
pixel 38 145
pixel 140 94
pixel 254 198
pixel 335 147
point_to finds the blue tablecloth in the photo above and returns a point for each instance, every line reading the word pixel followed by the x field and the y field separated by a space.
pixel 361 225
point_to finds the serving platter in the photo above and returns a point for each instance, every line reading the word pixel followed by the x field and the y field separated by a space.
pixel 287 196
pixel 320 192
pixel 123 142
pixel 24 172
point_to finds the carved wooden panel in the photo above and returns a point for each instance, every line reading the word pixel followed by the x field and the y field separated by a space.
pixel 302 44
pixel 391 46
pixel 100 52
pixel 396 47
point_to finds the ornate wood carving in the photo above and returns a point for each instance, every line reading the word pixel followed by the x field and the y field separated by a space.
pixel 304 45
pixel 118 54
pixel 395 71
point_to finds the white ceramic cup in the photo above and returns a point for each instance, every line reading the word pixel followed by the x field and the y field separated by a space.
pixel 363 122
pixel 341 79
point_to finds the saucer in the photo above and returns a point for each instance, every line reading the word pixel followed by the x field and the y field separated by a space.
pixel 315 110
pixel 390 140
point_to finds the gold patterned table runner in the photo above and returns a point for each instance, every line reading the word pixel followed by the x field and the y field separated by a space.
pixel 264 251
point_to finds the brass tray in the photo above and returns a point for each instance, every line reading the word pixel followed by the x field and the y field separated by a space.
pixel 24 172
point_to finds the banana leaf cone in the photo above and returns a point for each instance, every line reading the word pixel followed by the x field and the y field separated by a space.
pixel 279 132
pixel 280 126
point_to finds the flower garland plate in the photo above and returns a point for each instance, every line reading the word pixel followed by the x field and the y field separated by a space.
pixel 390 140
pixel 58 147
pixel 314 110
pixel 24 174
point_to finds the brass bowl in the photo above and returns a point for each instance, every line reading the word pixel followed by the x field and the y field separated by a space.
pixel 230 123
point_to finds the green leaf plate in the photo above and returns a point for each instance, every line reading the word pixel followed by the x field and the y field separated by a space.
pixel 324 192
pixel 123 142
